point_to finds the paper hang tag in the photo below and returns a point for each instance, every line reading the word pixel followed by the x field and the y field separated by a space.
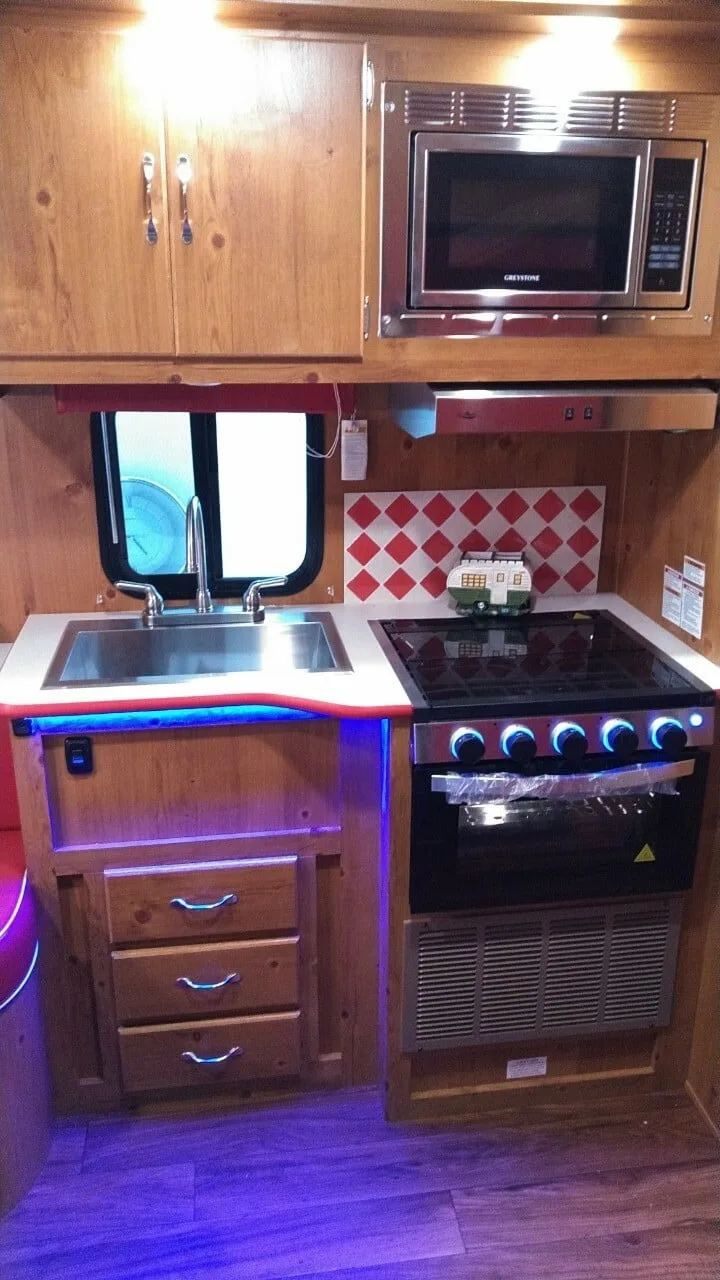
pixel 354 449
pixel 645 855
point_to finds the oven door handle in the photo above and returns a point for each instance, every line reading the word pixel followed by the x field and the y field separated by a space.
pixel 635 779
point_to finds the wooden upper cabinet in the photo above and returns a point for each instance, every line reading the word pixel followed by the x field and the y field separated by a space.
pixel 77 275
pixel 274 136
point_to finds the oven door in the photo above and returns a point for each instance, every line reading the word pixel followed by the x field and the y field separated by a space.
pixel 525 220
pixel 493 839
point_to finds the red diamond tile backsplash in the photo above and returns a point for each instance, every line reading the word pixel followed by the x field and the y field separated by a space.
pixel 400 546
pixel 363 549
pixel 512 506
pixel 363 511
pixel 401 510
pixel 549 505
pixel 586 503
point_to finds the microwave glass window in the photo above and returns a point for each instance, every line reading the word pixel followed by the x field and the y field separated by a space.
pixel 534 223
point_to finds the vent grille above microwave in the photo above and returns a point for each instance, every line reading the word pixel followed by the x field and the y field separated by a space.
pixel 499 109
pixel 646 114
pixel 540 974
pixel 487 110
pixel 592 113
pixel 429 107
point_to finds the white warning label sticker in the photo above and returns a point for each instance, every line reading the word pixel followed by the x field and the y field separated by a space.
pixel 672 595
pixel 519 1068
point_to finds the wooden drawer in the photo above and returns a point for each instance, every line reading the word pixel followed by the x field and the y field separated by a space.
pixel 202 900
pixel 213 977
pixel 260 1048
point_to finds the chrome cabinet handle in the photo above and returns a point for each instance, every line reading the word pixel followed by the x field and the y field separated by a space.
pixel 207 986
pixel 184 172
pixel 189 1056
pixel 227 900
pixel 148 168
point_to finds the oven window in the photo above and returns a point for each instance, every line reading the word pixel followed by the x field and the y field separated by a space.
pixel 532 223
pixel 559 835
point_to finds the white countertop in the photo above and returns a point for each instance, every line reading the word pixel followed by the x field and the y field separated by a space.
pixel 370 689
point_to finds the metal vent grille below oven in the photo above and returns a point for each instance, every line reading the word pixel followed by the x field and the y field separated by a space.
pixel 546 973
pixel 447 975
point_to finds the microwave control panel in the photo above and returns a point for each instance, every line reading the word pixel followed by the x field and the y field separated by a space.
pixel 667 233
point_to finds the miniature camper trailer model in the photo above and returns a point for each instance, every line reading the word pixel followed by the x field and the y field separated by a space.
pixel 488 583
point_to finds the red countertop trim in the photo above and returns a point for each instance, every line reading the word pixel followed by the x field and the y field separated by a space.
pixel 335 710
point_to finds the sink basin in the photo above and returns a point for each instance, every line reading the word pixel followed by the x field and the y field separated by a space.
pixel 123 651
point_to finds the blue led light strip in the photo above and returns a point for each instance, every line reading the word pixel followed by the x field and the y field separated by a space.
pixel 25 980
pixel 184 718
pixel 13 914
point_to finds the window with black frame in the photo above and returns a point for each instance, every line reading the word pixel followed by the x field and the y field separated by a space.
pixel 259 477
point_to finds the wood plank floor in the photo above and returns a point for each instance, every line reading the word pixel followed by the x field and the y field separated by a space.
pixel 321 1185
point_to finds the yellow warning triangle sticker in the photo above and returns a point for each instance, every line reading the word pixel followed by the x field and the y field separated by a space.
pixel 646 854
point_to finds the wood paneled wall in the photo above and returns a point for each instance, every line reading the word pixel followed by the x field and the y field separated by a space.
pixel 49 558
pixel 671 509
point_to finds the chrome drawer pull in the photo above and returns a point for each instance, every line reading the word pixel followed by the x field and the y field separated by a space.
pixel 207 986
pixel 228 900
pixel 189 1056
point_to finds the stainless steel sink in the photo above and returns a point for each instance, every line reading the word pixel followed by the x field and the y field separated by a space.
pixel 122 651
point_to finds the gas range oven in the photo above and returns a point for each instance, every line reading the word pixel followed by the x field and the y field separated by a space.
pixel 555 757
pixel 559 767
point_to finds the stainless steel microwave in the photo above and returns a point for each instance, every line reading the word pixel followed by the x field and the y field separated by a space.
pixel 505 214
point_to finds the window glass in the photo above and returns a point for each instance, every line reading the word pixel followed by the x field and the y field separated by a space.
pixel 259 478
pixel 156 481
pixel 262 465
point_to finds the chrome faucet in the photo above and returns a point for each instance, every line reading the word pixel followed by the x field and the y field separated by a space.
pixel 154 604
pixel 252 601
pixel 196 554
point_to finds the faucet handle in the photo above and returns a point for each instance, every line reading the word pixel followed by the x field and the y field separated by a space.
pixel 154 603
pixel 252 600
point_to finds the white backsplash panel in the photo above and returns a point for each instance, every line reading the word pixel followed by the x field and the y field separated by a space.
pixel 400 546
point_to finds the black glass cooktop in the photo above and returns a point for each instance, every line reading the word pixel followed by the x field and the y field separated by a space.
pixel 546 662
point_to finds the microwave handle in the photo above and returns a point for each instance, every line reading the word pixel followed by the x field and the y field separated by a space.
pixel 479 788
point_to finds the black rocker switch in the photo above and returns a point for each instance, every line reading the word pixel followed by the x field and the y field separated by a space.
pixel 79 755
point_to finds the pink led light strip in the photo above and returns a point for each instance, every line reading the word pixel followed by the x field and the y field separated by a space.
pixel 14 913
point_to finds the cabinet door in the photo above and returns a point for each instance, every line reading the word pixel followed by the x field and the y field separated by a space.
pixel 77 274
pixel 275 200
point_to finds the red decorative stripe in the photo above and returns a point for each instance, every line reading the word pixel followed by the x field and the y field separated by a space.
pixel 296 397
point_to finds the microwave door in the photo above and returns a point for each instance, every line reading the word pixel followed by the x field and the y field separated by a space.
pixel 533 221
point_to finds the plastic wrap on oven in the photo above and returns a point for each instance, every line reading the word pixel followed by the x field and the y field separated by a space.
pixel 632 780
